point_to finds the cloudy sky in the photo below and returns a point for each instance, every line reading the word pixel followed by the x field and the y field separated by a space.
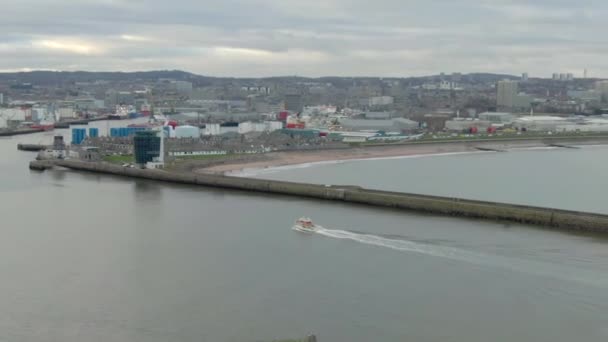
pixel 307 37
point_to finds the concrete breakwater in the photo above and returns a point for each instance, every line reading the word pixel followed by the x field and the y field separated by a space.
pixel 41 165
pixel 31 147
pixel 9 133
pixel 548 217
pixel 66 124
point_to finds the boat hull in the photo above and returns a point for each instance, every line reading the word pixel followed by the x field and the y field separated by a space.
pixel 44 127
pixel 304 229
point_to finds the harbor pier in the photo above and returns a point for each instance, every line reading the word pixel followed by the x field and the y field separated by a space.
pixel 450 206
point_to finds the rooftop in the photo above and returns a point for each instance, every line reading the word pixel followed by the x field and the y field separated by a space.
pixel 540 118
pixel 496 113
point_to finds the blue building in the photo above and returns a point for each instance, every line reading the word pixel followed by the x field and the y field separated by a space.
pixel 123 132
pixel 93 132
pixel 78 135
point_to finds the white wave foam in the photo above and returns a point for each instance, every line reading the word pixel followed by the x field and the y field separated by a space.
pixel 591 146
pixel 523 265
pixel 541 148
pixel 253 172
pixel 404 245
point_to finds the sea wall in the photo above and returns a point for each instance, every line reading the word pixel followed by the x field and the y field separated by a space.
pixel 66 124
pixel 548 217
pixel 8 133
pixel 31 147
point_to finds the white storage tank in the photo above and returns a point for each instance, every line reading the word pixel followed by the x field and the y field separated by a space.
pixel 273 125
pixel 66 113
pixel 212 129
pixel 245 127
pixel 15 114
pixel 187 132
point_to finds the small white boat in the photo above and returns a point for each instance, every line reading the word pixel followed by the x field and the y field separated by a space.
pixel 304 224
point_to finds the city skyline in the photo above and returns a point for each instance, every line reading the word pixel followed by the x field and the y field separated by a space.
pixel 318 38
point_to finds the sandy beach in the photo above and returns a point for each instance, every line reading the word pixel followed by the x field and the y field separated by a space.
pixel 277 159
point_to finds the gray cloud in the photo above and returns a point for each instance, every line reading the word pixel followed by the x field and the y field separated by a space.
pixel 312 38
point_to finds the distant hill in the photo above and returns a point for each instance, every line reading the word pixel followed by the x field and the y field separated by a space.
pixel 65 77
pixel 50 78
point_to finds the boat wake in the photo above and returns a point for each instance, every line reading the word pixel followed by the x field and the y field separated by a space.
pixel 530 266
pixel 403 245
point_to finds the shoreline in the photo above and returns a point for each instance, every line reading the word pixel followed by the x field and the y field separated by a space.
pixel 20 132
pixel 276 161
pixel 255 171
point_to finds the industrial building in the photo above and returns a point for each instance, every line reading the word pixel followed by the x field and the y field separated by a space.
pixel 125 131
pixel 539 123
pixel 66 113
pixel 266 126
pixel 595 124
pixel 391 125
pixel 212 129
pixel 436 121
pixel 353 139
pixel 197 114
pixel 379 115
pixel 497 118
pixel 93 132
pixel 16 113
pixel 78 135
pixel 187 132
pixel 361 137
pixel 461 125
pixel 560 124
pixel 38 113
pixel 319 110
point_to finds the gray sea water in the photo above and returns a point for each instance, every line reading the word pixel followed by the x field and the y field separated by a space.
pixel 575 179
pixel 85 257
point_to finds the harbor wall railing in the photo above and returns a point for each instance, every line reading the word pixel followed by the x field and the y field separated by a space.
pixel 547 217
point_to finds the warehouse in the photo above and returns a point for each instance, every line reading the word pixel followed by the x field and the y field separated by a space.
pixel 540 123
pixel 460 125
pixel 391 125
pixel 497 117
pixel 187 132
